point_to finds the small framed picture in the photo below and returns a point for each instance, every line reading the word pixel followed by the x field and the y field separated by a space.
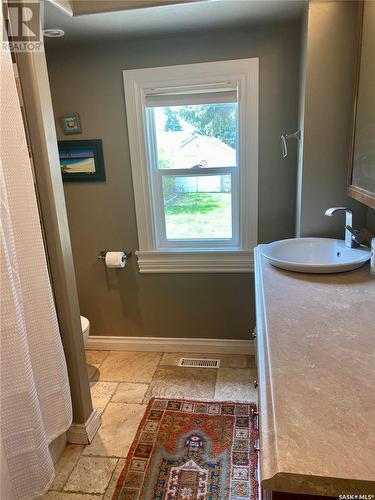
pixel 82 160
pixel 71 124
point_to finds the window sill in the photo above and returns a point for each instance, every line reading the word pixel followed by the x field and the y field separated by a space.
pixel 196 261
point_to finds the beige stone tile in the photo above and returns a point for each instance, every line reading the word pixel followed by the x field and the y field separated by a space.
pixel 236 384
pixel 119 424
pixel 128 392
pixel 101 393
pixel 60 495
pixel 91 475
pixel 129 366
pixel 92 371
pixel 179 382
pixel 226 360
pixel 65 465
pixel 115 476
pixel 96 357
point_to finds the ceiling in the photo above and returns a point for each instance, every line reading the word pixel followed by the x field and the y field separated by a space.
pixel 167 19
pixel 81 7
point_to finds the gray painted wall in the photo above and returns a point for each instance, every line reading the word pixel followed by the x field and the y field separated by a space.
pixel 327 99
pixel 370 219
pixel 88 79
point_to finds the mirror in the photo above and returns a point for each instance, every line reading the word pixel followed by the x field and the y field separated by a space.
pixel 361 179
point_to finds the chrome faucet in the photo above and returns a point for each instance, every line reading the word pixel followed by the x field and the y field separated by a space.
pixel 351 236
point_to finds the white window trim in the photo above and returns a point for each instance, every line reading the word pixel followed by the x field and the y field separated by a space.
pixel 245 73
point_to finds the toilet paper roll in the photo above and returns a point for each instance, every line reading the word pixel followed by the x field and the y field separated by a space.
pixel 115 259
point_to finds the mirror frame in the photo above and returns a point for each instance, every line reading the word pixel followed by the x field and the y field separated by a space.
pixel 359 194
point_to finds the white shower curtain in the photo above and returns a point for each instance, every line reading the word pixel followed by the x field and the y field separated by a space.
pixel 34 391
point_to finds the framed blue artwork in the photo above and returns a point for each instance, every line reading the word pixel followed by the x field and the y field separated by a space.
pixel 82 161
pixel 71 124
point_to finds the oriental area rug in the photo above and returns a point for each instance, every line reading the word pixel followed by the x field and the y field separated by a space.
pixel 192 450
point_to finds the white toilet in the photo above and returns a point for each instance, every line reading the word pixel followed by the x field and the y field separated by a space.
pixel 85 325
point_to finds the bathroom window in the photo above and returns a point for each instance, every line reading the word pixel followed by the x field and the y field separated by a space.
pixel 194 144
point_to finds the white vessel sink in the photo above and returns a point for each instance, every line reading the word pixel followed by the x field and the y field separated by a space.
pixel 315 255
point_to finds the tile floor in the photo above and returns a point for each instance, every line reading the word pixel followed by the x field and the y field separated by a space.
pixel 121 385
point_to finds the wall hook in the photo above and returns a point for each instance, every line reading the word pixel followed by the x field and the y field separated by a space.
pixel 284 148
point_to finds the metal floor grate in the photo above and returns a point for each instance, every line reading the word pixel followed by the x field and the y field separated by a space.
pixel 199 363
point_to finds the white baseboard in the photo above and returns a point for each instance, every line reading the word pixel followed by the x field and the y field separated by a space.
pixel 169 344
pixel 84 433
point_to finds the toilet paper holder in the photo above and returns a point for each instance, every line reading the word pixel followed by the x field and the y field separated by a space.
pixel 101 256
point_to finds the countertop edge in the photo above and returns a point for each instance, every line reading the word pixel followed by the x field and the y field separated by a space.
pixel 267 470
pixel 271 475
pixel 316 485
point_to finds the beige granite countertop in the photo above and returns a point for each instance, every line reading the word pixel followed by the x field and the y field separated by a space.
pixel 316 369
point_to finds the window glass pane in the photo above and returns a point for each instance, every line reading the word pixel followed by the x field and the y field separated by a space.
pixel 196 136
pixel 198 207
